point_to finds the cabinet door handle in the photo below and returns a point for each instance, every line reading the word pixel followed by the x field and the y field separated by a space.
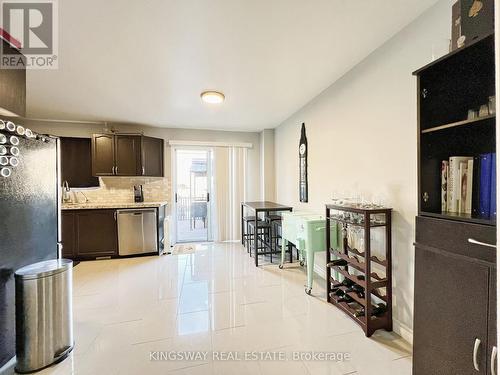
pixel 115 215
pixel 477 344
pixel 116 170
pixel 493 360
pixel 476 242
pixel 143 170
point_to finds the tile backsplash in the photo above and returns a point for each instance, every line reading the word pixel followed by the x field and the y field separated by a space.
pixel 120 190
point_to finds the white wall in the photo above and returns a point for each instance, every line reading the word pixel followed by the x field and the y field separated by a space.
pixel 362 136
pixel 267 181
pixel 86 130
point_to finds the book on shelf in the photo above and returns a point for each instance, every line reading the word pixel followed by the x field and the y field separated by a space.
pixel 470 186
pixel 493 196
pixel 457 184
pixel 462 196
pixel 475 190
pixel 488 186
pixel 444 185
pixel 485 185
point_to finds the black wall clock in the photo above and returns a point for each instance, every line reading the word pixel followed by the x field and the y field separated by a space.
pixel 303 186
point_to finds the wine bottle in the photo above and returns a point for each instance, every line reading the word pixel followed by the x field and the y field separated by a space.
pixel 359 312
pixel 379 310
pixel 345 298
pixel 359 290
pixel 338 292
pixel 337 263
pixel 347 282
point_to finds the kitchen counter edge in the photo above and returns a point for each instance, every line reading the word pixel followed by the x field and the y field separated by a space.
pixel 97 206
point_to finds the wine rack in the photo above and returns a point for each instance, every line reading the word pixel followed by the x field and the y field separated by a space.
pixel 366 299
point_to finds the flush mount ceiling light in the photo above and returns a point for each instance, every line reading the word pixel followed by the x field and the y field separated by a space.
pixel 212 97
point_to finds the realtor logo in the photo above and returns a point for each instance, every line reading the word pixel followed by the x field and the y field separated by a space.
pixel 31 28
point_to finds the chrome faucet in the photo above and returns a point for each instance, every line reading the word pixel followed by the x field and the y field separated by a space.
pixel 66 192
pixel 86 198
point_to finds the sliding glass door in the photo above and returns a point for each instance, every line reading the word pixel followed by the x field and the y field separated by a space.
pixel 191 188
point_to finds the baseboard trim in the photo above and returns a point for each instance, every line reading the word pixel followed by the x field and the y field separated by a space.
pixel 403 330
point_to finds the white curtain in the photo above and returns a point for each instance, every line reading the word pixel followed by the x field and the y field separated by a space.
pixel 229 186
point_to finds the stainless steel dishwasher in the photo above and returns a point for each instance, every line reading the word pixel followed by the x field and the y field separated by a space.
pixel 137 231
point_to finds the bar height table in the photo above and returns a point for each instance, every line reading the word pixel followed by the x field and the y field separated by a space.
pixel 257 207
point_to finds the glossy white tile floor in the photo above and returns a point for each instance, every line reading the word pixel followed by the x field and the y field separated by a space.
pixel 214 300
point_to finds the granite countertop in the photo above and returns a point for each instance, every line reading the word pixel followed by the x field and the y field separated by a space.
pixel 97 205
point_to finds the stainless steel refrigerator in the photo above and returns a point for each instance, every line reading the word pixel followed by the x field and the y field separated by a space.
pixel 29 217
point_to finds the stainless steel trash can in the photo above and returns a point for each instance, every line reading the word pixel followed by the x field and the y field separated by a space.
pixel 44 314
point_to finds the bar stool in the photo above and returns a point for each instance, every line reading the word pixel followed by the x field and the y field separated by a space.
pixel 263 236
pixel 275 221
pixel 247 220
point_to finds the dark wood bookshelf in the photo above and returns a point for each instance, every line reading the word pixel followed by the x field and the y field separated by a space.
pixel 447 89
pixel 454 258
pixel 359 268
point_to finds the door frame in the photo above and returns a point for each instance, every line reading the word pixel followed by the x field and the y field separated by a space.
pixel 210 181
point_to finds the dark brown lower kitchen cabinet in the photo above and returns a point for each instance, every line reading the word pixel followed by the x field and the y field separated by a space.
pixel 89 234
pixel 68 234
pixel 455 304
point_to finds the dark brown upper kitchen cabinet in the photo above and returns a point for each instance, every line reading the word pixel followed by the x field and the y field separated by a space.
pixel 152 156
pixel 13 85
pixel 103 155
pixel 96 233
pixel 76 162
pixel 127 155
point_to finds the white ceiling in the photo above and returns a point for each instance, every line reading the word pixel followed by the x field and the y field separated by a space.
pixel 147 61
